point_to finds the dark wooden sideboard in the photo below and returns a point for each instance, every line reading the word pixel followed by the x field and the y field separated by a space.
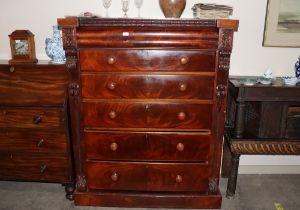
pixel 261 119
pixel 34 132
pixel 147 102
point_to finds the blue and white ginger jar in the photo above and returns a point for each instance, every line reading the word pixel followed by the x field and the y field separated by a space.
pixel 54 47
pixel 297 68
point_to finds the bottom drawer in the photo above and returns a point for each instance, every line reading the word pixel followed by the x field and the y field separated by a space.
pixel 148 176
pixel 33 168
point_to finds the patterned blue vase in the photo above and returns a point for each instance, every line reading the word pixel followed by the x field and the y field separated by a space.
pixel 54 48
pixel 297 68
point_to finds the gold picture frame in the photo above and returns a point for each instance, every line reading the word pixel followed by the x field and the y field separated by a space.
pixel 282 25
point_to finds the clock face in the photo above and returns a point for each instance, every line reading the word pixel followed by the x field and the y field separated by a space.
pixel 21 47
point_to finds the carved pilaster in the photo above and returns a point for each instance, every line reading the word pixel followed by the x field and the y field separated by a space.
pixel 68 37
pixel 225 39
pixel 221 94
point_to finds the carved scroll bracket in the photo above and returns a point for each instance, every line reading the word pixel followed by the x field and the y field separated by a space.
pixel 81 184
pixel 213 185
pixel 74 89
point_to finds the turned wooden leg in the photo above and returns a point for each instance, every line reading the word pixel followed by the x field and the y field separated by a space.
pixel 69 189
pixel 231 185
pixel 240 119
pixel 226 160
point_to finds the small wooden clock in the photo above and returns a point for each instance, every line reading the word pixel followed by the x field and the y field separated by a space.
pixel 22 47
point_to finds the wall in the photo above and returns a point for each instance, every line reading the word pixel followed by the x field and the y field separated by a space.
pixel 248 58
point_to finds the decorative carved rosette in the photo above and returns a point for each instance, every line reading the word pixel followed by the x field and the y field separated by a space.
pixel 81 184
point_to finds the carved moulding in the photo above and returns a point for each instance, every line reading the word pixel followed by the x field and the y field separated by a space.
pixel 272 148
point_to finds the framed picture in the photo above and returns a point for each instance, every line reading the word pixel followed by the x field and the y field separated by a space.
pixel 282 26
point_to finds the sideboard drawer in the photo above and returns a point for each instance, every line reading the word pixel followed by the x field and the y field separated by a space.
pixel 148 176
pixel 31 118
pixel 123 60
pixel 25 167
pixel 149 146
pixel 33 142
pixel 147 115
pixel 142 86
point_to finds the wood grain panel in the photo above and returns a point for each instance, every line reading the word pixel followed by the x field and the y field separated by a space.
pixel 28 141
pixel 147 115
pixel 33 85
pixel 31 118
pixel 146 60
pixel 143 86
pixel 147 176
pixel 50 168
pixel 147 146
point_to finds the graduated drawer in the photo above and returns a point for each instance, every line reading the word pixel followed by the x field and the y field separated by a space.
pixel 31 118
pixel 33 84
pixel 147 176
pixel 46 167
pixel 106 60
pixel 33 142
pixel 160 115
pixel 142 86
pixel 148 146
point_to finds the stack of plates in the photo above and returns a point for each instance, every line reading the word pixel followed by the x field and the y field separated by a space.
pixel 211 11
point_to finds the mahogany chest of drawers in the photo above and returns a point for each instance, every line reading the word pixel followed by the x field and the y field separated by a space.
pixel 34 133
pixel 147 107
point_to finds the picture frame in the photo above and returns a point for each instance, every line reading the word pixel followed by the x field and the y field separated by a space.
pixel 282 24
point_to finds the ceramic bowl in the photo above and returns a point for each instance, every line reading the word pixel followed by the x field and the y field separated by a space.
pixel 290 80
pixel 249 82
pixel 265 81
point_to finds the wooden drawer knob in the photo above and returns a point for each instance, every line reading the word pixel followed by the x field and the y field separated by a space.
pixel 181 116
pixel 113 146
pixel 180 147
pixel 111 86
pixel 111 60
pixel 114 177
pixel 178 179
pixel 112 115
pixel 37 120
pixel 184 60
pixel 12 69
pixel 182 87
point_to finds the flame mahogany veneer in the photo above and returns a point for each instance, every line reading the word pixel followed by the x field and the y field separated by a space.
pixel 147 104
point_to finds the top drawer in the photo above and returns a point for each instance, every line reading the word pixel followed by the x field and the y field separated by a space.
pixel 108 60
pixel 35 84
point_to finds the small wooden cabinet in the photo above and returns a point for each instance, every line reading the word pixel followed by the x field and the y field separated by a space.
pixel 34 131
pixel 147 101
pixel 261 120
